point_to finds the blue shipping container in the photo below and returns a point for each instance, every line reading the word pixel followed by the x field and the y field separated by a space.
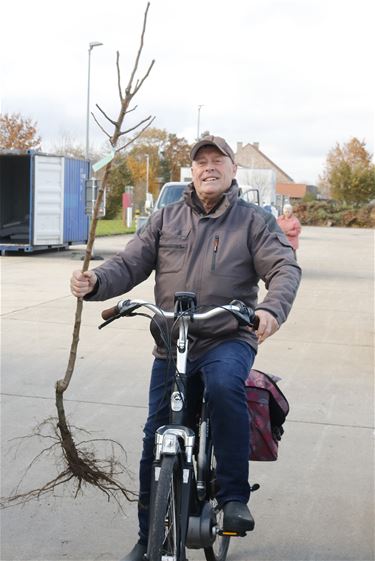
pixel 42 201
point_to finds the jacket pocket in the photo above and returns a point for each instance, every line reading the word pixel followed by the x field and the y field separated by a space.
pixel 228 255
pixel 172 252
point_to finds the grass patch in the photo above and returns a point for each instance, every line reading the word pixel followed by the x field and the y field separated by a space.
pixel 113 227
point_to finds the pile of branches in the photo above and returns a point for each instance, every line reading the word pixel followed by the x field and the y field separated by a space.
pixel 335 213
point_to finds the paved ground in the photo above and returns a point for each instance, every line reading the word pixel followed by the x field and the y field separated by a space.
pixel 315 503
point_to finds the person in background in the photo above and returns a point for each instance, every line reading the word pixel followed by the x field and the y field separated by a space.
pixel 274 210
pixel 267 206
pixel 270 207
pixel 290 225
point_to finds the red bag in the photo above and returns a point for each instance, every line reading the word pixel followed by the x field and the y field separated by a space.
pixel 268 408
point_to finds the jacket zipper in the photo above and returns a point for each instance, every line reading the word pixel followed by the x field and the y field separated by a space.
pixel 216 246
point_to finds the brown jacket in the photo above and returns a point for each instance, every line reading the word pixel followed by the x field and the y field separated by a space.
pixel 220 256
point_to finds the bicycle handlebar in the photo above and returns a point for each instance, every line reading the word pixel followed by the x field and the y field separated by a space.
pixel 243 314
pixel 122 308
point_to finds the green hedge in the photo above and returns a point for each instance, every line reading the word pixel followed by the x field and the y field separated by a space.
pixel 334 213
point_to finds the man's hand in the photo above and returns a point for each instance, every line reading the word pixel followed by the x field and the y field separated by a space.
pixel 82 283
pixel 267 325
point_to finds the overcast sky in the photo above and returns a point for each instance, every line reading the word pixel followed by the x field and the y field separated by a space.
pixel 297 76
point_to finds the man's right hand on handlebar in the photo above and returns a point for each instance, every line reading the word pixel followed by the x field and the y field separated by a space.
pixel 267 325
pixel 82 283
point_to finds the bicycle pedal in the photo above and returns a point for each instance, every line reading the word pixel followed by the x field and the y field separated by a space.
pixel 232 534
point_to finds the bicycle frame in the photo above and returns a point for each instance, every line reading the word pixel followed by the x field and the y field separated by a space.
pixel 168 438
pixel 194 515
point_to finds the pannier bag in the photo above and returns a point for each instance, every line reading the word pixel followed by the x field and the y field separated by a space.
pixel 268 408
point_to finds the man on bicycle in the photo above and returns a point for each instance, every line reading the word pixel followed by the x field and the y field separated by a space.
pixel 218 246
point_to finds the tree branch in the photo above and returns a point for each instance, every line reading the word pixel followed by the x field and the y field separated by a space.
pixel 119 76
pixel 130 110
pixel 135 137
pixel 136 126
pixel 144 78
pixel 129 86
pixel 105 115
pixel 100 126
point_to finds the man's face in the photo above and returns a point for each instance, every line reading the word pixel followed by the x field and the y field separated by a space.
pixel 212 174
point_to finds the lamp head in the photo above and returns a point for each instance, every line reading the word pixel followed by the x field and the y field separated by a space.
pixel 94 44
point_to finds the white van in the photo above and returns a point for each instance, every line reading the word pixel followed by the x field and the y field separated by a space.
pixel 170 193
pixel 173 191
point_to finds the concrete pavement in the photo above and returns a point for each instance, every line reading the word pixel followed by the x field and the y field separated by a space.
pixel 316 503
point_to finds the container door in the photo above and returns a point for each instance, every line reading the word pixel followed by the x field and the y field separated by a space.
pixel 48 200
pixel 76 223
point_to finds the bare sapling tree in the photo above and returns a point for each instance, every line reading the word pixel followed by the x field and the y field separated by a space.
pixel 80 463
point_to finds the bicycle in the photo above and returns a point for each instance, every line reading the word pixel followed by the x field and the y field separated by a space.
pixel 183 509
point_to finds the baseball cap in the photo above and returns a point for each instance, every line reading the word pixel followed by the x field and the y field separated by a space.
pixel 216 141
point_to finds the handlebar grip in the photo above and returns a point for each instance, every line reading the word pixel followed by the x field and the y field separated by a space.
pixel 245 315
pixel 110 312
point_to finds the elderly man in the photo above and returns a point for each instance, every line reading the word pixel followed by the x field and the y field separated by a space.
pixel 218 246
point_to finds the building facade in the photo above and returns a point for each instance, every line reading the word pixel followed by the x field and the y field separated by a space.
pixel 250 156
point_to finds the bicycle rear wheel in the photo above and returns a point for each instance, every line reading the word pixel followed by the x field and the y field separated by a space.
pixel 219 549
pixel 165 532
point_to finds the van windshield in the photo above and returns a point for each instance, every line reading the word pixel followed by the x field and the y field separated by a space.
pixel 171 195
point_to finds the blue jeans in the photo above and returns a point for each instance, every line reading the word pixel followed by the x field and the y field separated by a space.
pixel 223 370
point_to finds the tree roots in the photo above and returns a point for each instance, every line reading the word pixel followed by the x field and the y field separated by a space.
pixel 78 465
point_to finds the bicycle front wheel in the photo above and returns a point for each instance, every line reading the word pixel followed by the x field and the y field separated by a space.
pixel 164 527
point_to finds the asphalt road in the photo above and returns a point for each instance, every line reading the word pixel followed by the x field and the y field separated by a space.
pixel 316 503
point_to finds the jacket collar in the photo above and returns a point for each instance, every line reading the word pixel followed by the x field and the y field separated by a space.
pixel 229 197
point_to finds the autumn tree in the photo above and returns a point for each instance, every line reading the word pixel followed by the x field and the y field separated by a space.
pixel 175 155
pixel 159 151
pixel 120 178
pixel 145 152
pixel 167 154
pixel 349 175
pixel 18 133
pixel 164 154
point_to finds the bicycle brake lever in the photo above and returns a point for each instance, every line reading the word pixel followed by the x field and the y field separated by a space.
pixel 105 323
pixel 128 309
pixel 245 316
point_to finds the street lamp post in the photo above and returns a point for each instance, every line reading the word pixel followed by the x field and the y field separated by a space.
pixel 91 46
pixel 199 120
